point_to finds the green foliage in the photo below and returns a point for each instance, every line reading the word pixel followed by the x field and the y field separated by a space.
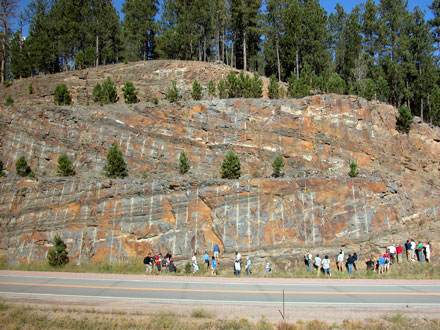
pixel 231 168
pixel 297 87
pixel 97 93
pixel 354 171
pixel 222 89
pixel 57 256
pixel 9 101
pixel 183 163
pixel 7 83
pixel 31 88
pixel 2 173
pixel 369 90
pixel 61 95
pixel 212 89
pixel 273 90
pixel 405 120
pixel 115 166
pixel 187 268
pixel 277 166
pixel 233 85
pixel 197 90
pixel 336 84
pixel 155 101
pixel 22 168
pixel 108 92
pixel 130 93
pixel 173 93
pixel 65 166
pixel 85 59
pixel 244 85
pixel 253 87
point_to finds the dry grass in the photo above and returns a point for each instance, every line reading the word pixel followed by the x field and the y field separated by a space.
pixel 19 316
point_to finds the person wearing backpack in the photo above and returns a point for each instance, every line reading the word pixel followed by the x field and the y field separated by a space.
pixel 237 267
pixel 158 261
pixel 148 264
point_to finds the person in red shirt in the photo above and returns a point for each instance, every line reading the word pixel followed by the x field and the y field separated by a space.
pixel 158 261
pixel 399 252
pixel 387 258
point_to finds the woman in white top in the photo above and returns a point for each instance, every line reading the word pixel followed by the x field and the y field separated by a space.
pixel 427 251
pixel 326 265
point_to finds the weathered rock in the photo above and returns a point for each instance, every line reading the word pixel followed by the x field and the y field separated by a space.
pixel 315 206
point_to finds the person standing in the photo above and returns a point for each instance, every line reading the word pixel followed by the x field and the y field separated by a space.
pixel 326 266
pixel 355 260
pixel 408 250
pixel 392 252
pixel 216 252
pixel 214 266
pixel 381 262
pixel 317 264
pixel 158 261
pixel 428 251
pixel 267 267
pixel 148 264
pixel 308 261
pixel 419 250
pixel 340 261
pixel 237 267
pixel 399 251
pixel 350 262
pixel 206 260
pixel 413 250
pixel 248 266
pixel 194 263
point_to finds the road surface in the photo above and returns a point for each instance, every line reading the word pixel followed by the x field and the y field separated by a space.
pixel 242 291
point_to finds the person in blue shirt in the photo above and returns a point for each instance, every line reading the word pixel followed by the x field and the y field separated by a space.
pixel 216 252
pixel 381 265
pixel 214 266
pixel 206 260
pixel 248 266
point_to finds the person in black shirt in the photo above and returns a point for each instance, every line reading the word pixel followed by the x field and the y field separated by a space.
pixel 408 250
pixel 350 262
pixel 370 265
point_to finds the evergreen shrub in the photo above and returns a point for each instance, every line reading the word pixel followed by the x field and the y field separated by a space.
pixel 197 90
pixel 183 163
pixel 231 168
pixel 9 101
pixel 354 171
pixel 277 166
pixel 61 95
pixel 65 167
pixel 115 166
pixel 173 93
pixel 57 256
pixel 405 120
pixel 130 93
pixel 22 168
pixel 273 89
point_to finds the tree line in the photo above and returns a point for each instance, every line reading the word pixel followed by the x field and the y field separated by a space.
pixel 381 51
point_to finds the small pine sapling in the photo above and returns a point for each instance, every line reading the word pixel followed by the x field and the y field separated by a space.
pixel 115 166
pixel 183 163
pixel 354 171
pixel 97 93
pixel 31 89
pixel 57 256
pixel 273 89
pixel 9 101
pixel 405 120
pixel 61 95
pixel 22 168
pixel 173 93
pixel 2 173
pixel 197 91
pixel 212 89
pixel 65 167
pixel 109 93
pixel 277 166
pixel 130 93
pixel 231 167
pixel 222 89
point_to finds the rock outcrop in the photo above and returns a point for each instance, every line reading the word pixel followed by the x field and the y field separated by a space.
pixel 316 206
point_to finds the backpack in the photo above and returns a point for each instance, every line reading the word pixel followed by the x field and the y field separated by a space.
pixel 147 260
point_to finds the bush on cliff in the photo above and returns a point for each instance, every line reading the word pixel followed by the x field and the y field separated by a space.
pixel 277 166
pixel 183 163
pixel 231 168
pixel 109 93
pixel 197 91
pixel 405 120
pixel 22 168
pixel 130 93
pixel 115 166
pixel 354 171
pixel 97 93
pixel 57 256
pixel 173 93
pixel 61 95
pixel 273 89
pixel 222 89
pixel 2 173
pixel 65 167
pixel 9 101
pixel 212 89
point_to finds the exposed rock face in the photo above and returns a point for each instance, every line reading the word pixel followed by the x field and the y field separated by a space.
pixel 151 79
pixel 315 206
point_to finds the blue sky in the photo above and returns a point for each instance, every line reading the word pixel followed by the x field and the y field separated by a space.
pixel 328 5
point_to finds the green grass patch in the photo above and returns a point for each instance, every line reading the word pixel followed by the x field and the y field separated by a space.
pixel 201 313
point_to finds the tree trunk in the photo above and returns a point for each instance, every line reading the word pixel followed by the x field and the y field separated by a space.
pixel 217 43
pixel 244 51
pixel 97 50
pixel 429 109
pixel 278 61
pixel 200 50
pixel 223 48
pixel 3 63
pixel 232 54
pixel 297 64
pixel 422 105
pixel 204 48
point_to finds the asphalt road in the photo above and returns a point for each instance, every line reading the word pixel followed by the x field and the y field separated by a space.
pixel 227 291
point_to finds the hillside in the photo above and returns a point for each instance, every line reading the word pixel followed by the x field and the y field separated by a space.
pixel 316 206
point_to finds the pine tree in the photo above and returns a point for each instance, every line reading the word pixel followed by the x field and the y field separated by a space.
pixel 173 93
pixel 115 166
pixel 183 163
pixel 405 120
pixel 61 95
pixel 212 89
pixel 65 167
pixel 231 168
pixel 277 166
pixel 354 172
pixel 130 93
pixel 222 89
pixel 97 93
pixel 20 67
pixel 197 90
pixel 273 89
pixel 57 256
pixel 22 168
pixel 7 12
pixel 336 84
pixel 108 90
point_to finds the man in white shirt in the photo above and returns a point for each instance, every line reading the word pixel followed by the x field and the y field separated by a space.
pixel 392 251
pixel 413 250
pixel 317 264
pixel 340 260
pixel 326 265
pixel 194 263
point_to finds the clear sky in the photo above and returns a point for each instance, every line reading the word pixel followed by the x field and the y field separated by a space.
pixel 328 5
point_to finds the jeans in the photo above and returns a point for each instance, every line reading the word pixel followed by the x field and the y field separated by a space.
pixel 420 255
pixel 350 268
pixel 249 271
pixel 309 266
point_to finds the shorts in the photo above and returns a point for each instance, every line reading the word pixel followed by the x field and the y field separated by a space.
pixel 158 267
pixel 326 270
pixel 196 268
pixel 216 253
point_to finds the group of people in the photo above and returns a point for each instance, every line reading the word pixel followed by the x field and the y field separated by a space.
pixel 393 254
pixel 165 264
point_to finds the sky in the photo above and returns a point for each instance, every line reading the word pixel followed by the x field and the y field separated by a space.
pixel 328 5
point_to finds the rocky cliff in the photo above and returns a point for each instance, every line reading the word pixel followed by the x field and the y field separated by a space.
pixel 316 206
